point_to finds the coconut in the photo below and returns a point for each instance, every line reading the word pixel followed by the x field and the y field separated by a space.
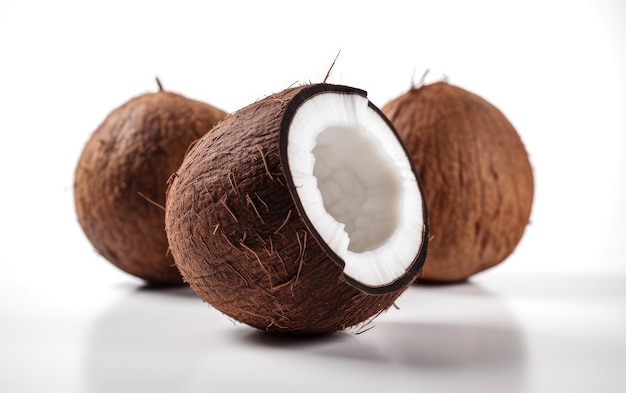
pixel 476 174
pixel 299 214
pixel 121 177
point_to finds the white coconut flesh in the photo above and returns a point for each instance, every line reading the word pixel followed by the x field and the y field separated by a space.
pixel 356 186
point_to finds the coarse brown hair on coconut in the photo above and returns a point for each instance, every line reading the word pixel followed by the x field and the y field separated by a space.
pixel 243 233
pixel 120 179
pixel 477 177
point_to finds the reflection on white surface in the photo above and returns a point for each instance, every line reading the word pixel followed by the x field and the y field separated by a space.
pixel 499 333
pixel 150 340
pixel 503 334
pixel 166 341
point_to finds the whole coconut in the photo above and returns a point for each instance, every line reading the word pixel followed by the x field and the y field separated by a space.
pixel 476 174
pixel 121 177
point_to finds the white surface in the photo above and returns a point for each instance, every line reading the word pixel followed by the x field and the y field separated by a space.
pixel 551 318
pixel 498 333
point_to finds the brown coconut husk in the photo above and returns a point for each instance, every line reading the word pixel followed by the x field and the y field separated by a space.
pixel 121 177
pixel 241 241
pixel 476 175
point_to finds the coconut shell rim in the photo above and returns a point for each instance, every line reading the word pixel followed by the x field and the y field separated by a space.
pixel 416 265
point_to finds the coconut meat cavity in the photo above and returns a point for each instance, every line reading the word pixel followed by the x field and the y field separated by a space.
pixel 356 186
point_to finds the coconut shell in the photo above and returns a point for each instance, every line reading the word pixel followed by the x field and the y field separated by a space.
pixel 476 175
pixel 241 242
pixel 121 177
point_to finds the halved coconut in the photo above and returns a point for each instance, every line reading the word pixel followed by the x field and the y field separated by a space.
pixel 300 213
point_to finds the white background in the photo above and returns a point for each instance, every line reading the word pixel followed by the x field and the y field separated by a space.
pixel 550 317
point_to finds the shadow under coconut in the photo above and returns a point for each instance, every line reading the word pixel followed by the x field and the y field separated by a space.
pixel 168 340
pixel 260 338
pixel 436 345
pixel 461 330
pixel 183 291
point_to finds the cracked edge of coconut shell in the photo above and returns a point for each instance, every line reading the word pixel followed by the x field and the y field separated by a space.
pixel 417 264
